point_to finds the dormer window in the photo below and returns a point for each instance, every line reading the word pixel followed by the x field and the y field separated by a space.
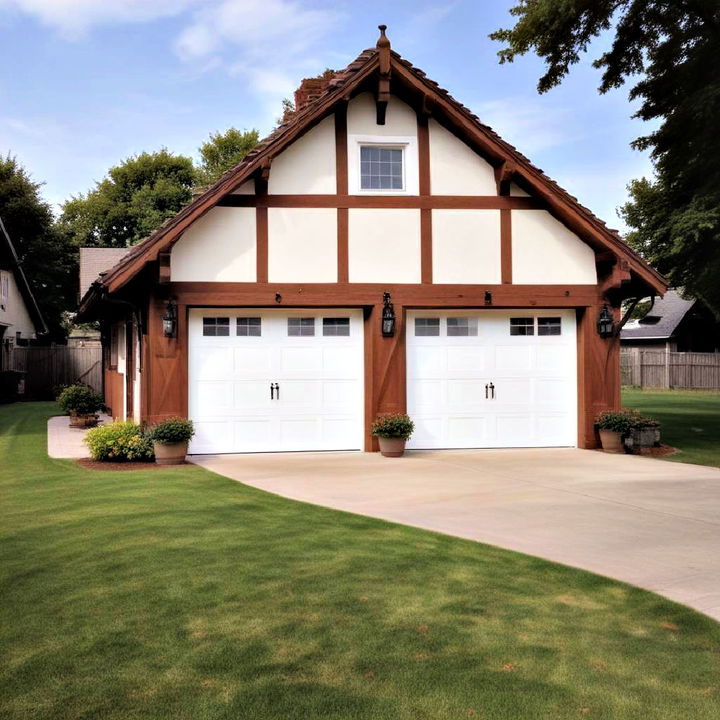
pixel 381 167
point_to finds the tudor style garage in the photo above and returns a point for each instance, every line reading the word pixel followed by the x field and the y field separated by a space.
pixel 381 251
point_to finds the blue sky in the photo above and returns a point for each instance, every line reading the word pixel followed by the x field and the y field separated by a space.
pixel 85 83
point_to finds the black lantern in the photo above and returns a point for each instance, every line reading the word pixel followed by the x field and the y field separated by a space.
pixel 605 324
pixel 388 317
pixel 170 320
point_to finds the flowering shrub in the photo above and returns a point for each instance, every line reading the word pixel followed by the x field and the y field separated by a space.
pixel 396 425
pixel 119 442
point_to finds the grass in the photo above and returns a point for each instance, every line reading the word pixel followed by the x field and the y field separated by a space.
pixel 180 594
pixel 690 421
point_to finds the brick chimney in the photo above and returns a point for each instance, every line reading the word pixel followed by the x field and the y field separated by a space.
pixel 310 89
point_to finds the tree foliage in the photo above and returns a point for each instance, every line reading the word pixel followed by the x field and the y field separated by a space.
pixel 223 151
pixel 670 51
pixel 132 201
pixel 48 260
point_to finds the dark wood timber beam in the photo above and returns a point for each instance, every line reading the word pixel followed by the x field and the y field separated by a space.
pixel 341 174
pixel 416 202
pixel 383 90
pixel 163 268
pixel 503 176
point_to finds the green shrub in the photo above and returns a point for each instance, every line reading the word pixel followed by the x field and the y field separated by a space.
pixel 80 399
pixel 119 442
pixel 396 425
pixel 624 421
pixel 171 431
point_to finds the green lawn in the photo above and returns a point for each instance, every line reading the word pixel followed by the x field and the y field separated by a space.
pixel 180 594
pixel 690 421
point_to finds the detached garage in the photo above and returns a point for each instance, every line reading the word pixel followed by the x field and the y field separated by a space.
pixel 381 251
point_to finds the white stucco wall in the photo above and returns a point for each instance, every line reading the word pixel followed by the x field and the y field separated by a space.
pixel 400 118
pixel 456 169
pixel 384 246
pixel 15 315
pixel 308 165
pixel 466 246
pixel 247 188
pixel 219 247
pixel 302 245
pixel 544 251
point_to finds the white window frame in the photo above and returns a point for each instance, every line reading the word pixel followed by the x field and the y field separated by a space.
pixel 407 143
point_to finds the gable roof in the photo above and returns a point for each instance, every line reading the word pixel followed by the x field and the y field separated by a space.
pixel 95 261
pixel 670 311
pixel 22 283
pixel 339 89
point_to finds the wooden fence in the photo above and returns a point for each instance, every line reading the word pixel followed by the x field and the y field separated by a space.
pixel 660 369
pixel 46 368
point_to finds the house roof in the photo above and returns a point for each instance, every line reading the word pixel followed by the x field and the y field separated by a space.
pixel 662 319
pixel 339 89
pixel 94 261
pixel 22 282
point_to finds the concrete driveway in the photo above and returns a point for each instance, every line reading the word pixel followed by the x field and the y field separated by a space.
pixel 648 522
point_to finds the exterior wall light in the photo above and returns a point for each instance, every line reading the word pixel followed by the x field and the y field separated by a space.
pixel 169 320
pixel 388 317
pixel 605 323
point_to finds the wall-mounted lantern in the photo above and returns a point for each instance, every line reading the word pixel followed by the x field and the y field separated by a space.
pixel 388 317
pixel 170 320
pixel 605 323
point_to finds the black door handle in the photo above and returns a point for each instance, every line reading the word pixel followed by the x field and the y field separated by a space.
pixel 277 390
pixel 486 391
pixel 492 391
pixel 272 391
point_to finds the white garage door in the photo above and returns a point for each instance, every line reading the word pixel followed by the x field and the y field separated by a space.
pixel 492 378
pixel 272 380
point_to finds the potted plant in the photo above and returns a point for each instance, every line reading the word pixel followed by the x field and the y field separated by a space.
pixel 82 404
pixel 170 440
pixel 644 433
pixel 392 432
pixel 614 427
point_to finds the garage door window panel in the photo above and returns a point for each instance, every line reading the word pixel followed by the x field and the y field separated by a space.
pixel 462 327
pixel 522 326
pixel 427 327
pixel 301 327
pixel 549 326
pixel 248 326
pixel 216 326
pixel 336 327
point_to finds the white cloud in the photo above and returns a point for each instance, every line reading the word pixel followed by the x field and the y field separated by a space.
pixel 260 40
pixel 72 18
pixel 528 123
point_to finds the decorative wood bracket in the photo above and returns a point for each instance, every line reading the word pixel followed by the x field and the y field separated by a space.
pixel 618 276
pixel 426 106
pixel 383 91
pixel 262 177
pixel 163 268
pixel 503 176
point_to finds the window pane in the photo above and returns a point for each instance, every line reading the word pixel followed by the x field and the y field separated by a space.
pixel 249 327
pixel 216 326
pixel 549 325
pixel 336 326
pixel 522 326
pixel 427 327
pixel 301 327
pixel 381 168
pixel 462 327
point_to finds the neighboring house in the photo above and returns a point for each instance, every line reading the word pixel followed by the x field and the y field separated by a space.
pixel 264 310
pixel 675 324
pixel 20 318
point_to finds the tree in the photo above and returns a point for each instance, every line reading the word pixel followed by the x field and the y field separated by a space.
pixel 48 260
pixel 222 152
pixel 134 199
pixel 670 50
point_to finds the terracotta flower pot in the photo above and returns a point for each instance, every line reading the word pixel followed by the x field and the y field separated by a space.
pixel 83 421
pixel 392 447
pixel 612 441
pixel 170 454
